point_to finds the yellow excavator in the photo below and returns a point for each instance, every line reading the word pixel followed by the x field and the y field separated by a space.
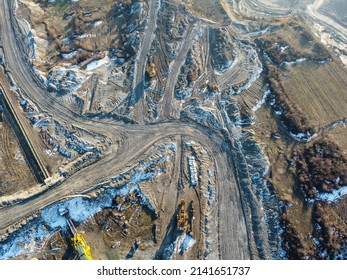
pixel 152 70
pixel 182 217
pixel 78 242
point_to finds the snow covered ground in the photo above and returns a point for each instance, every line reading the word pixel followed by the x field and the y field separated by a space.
pixel 262 101
pixel 333 197
pixel 97 63
pixel 81 208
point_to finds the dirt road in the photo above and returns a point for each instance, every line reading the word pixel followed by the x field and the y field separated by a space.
pixel 134 140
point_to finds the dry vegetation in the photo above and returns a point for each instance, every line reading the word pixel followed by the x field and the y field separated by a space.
pixel 294 117
pixel 291 41
pixel 293 241
pixel 320 90
pixel 332 230
pixel 308 94
pixel 339 136
pixel 330 233
pixel 300 220
pixel 211 10
pixel 296 219
pixel 321 166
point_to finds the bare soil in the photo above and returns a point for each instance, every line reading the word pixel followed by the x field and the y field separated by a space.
pixel 15 174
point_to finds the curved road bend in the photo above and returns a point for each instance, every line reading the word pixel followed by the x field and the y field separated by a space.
pixel 136 140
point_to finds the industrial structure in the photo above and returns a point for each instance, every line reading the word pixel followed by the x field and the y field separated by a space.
pixel 78 242
pixel 185 218
pixel 35 162
pixel 182 217
pixel 151 69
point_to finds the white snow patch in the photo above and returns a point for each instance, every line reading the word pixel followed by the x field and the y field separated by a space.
pixel 97 63
pixel 262 101
pixel 295 61
pixel 187 243
pixel 172 147
pixel 139 177
pixel 192 171
pixel 86 36
pixel 334 196
pixel 69 55
pixel 98 23
pixel 303 136
pixel 298 135
pixel 283 48
pixel 80 209
pixel 312 137
pixel 50 152
pixel 14 248
pixel 260 32
pixel 343 59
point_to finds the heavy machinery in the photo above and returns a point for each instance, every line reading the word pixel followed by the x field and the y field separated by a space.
pixel 78 242
pixel 182 217
pixel 151 70
pixel 191 219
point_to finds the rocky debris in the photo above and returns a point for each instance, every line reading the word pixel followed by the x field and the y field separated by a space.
pixel 208 202
pixel 202 115
pixel 65 80
pixel 174 22
pixel 81 49
pixel 252 168
pixel 221 49
pixel 130 18
pixel 2 57
pixel 190 72
pixel 58 138
pixel 153 97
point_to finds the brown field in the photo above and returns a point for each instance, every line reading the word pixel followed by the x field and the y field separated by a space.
pixel 290 40
pixel 211 10
pixel 15 174
pixel 339 135
pixel 320 90
pixel 282 176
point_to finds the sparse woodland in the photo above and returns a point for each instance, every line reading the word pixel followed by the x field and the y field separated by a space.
pixel 321 167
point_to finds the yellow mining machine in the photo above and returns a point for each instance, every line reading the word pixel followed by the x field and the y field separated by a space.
pixel 182 217
pixel 210 87
pixel 78 242
pixel 151 70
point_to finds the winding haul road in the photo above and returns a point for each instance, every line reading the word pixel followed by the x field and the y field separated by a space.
pixel 133 141
pixel 313 11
